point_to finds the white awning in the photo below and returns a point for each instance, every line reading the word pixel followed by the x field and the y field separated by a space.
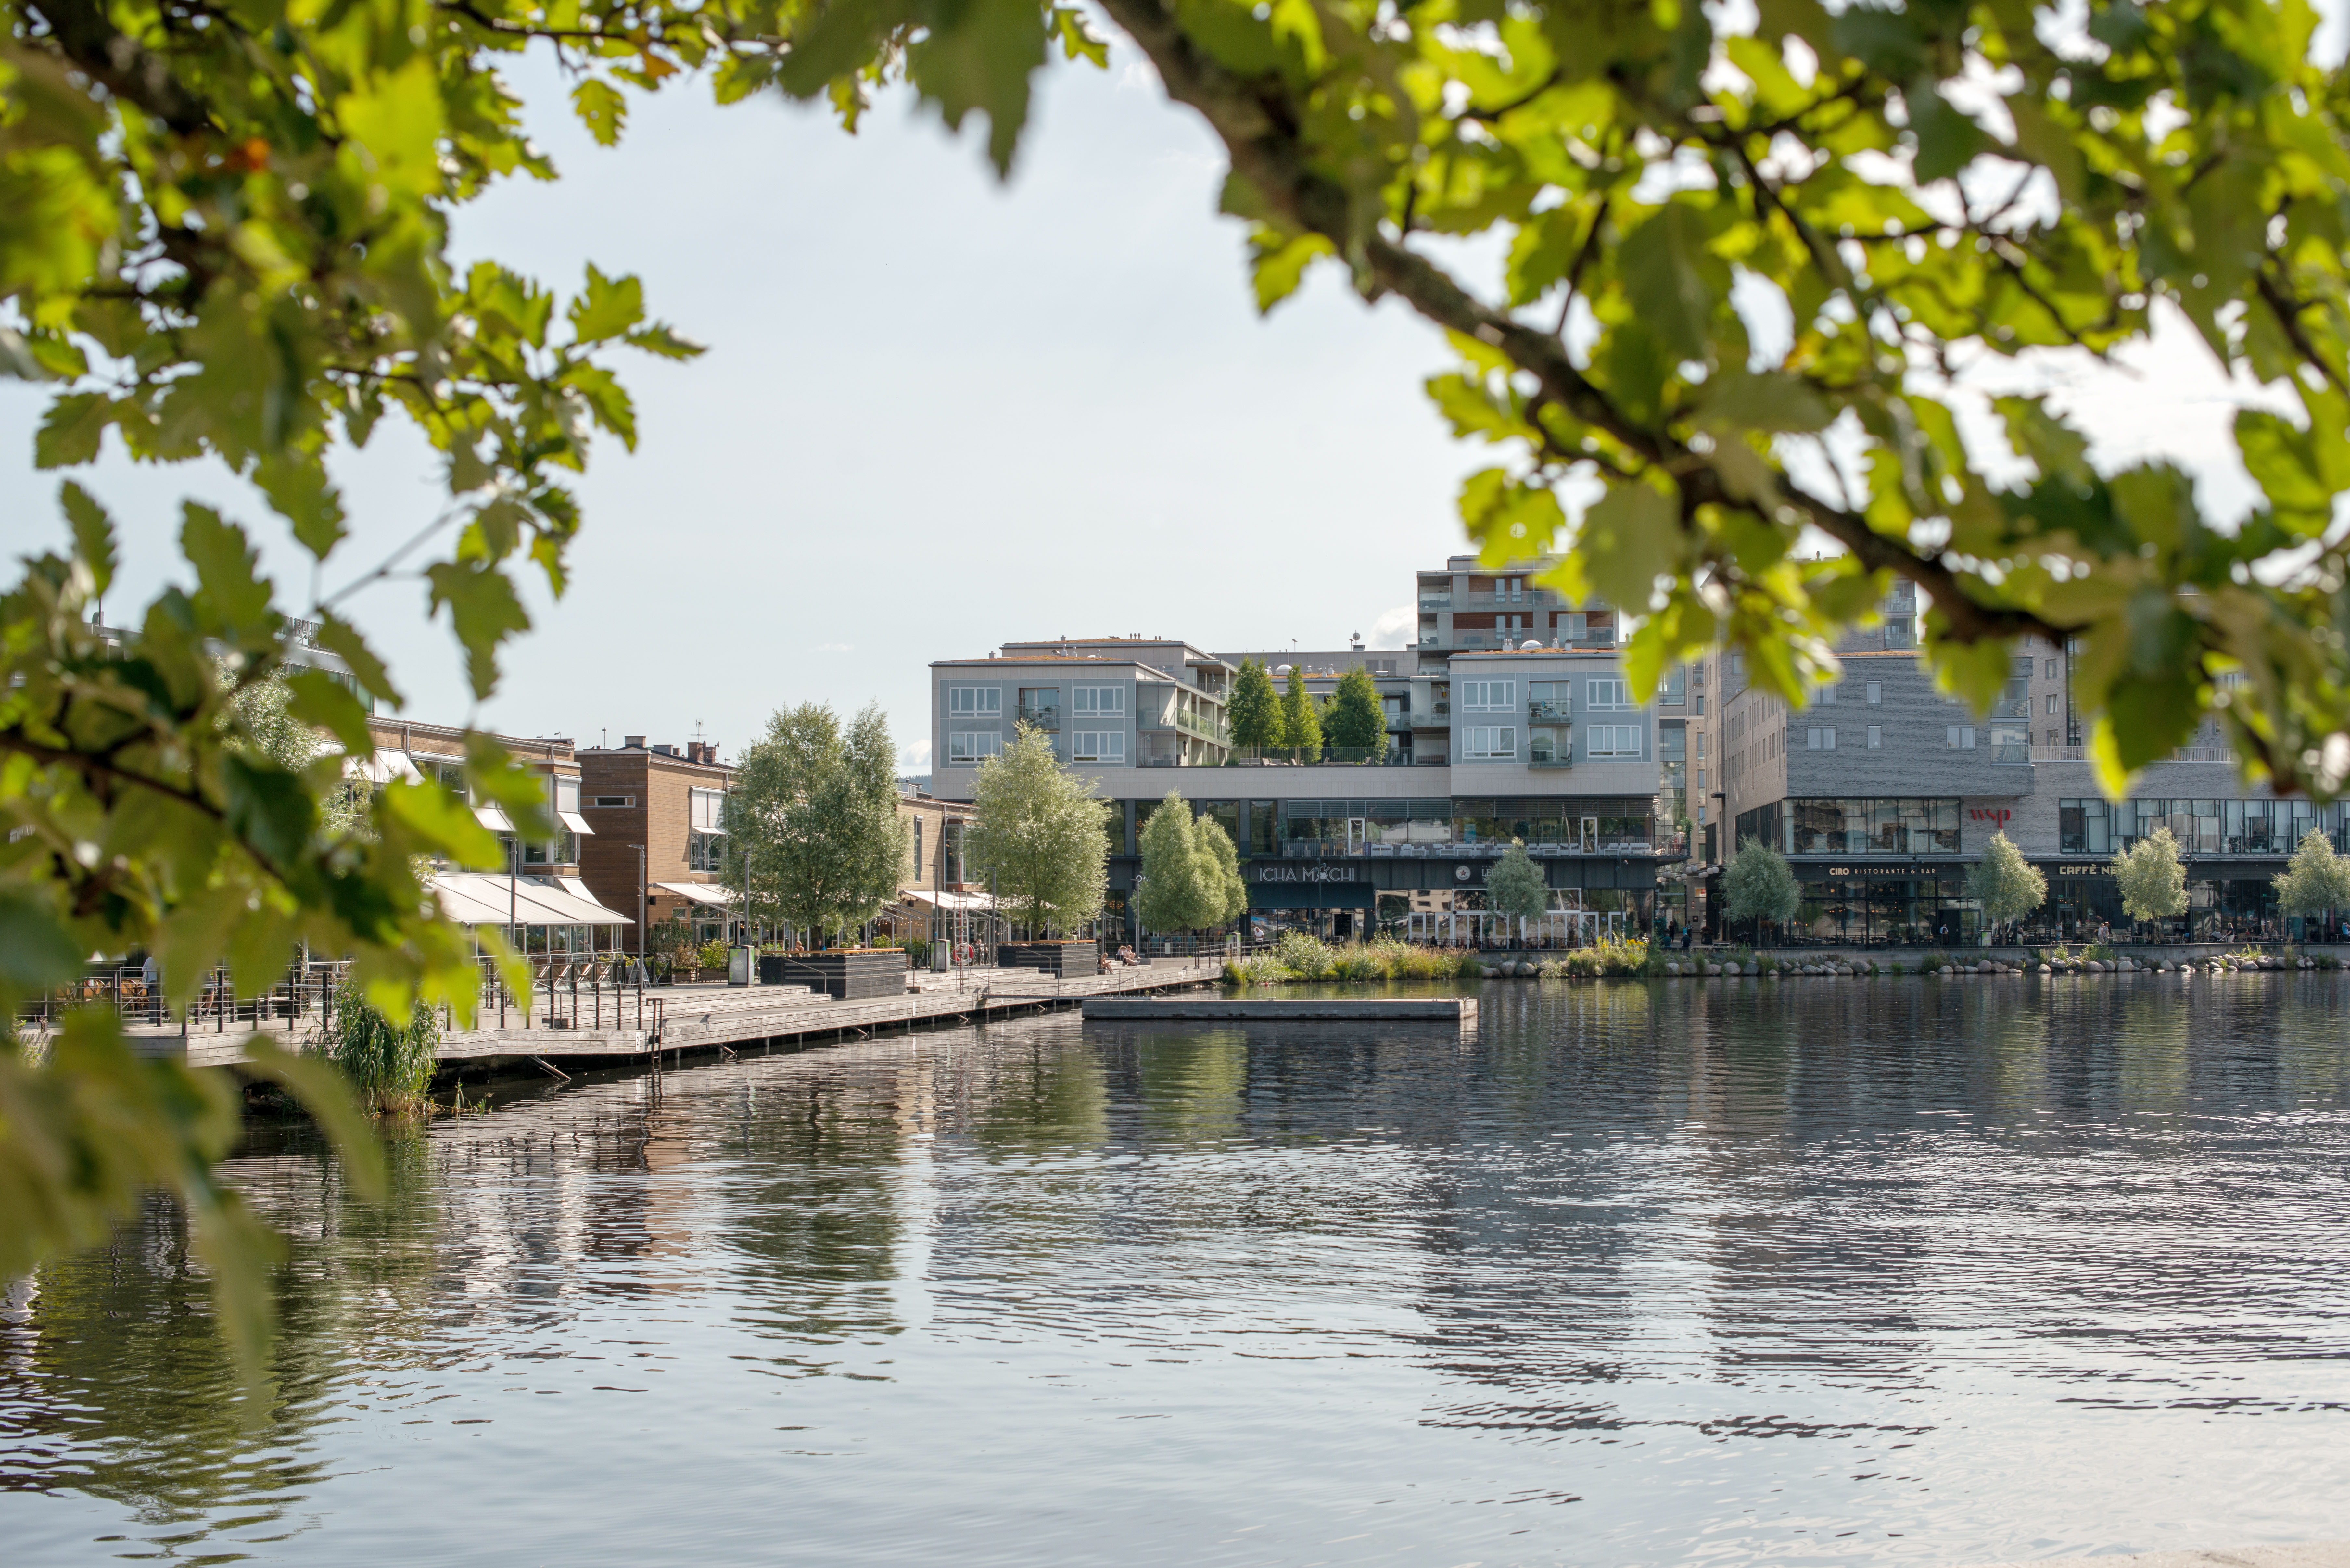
pixel 948 901
pixel 382 766
pixel 494 819
pixel 702 892
pixel 482 898
pixel 576 823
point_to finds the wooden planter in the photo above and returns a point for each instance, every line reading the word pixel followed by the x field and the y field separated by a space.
pixel 1062 960
pixel 849 973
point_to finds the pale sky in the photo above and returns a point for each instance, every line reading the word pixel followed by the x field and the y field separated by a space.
pixel 938 413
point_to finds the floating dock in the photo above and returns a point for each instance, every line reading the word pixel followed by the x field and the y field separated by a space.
pixel 1455 1010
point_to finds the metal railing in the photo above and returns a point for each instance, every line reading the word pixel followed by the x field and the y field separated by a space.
pixel 589 991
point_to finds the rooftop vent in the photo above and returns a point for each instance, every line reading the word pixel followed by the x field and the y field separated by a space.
pixel 635 741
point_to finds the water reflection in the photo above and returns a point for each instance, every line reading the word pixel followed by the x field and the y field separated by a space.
pixel 1742 1272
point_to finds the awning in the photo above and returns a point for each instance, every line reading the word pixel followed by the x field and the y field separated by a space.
pixel 948 901
pixel 383 766
pixel 701 893
pixel 482 898
pixel 576 823
pixel 494 819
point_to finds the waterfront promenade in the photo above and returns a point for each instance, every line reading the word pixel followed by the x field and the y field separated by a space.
pixel 676 1021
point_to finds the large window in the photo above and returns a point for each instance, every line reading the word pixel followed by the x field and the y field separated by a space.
pixel 705 851
pixel 1611 740
pixel 974 746
pixel 1819 737
pixel 975 702
pixel 1550 745
pixel 706 810
pixel 2206 826
pixel 1098 746
pixel 1489 744
pixel 2011 743
pixel 1858 826
pixel 1606 693
pixel 1488 696
pixel 1550 700
pixel 1099 702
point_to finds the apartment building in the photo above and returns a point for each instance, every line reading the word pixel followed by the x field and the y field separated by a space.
pixel 658 812
pixel 540 900
pixel 1881 792
pixel 1537 740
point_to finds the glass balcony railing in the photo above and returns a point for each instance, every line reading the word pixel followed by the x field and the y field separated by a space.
pixel 1043 717
pixel 1548 713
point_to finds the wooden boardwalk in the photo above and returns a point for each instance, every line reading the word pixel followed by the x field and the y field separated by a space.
pixel 707 1017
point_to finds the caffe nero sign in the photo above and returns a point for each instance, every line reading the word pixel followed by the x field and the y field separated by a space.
pixel 1307 873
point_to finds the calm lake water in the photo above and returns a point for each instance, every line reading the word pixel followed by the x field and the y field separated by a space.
pixel 1895 1270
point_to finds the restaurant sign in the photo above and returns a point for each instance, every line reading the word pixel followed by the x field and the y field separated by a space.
pixel 1312 871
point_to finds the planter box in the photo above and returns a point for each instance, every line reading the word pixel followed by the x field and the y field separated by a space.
pixel 1062 960
pixel 849 973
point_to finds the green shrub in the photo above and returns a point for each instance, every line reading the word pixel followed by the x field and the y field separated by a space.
pixel 1305 957
pixel 1468 965
pixel 388 1064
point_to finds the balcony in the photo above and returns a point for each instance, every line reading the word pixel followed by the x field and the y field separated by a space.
pixel 1202 726
pixel 1431 603
pixel 1046 716
pixel 1548 713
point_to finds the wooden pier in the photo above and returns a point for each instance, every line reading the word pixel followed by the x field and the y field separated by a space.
pixel 714 1017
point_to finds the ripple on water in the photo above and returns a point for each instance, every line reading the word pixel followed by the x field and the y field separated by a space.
pixel 1632 1274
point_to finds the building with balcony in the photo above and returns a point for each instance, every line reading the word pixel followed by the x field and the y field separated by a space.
pixel 1538 744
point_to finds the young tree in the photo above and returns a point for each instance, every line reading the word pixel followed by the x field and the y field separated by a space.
pixel 1177 890
pixel 1356 721
pixel 1255 707
pixel 815 813
pixel 2004 883
pixel 2153 881
pixel 1301 724
pixel 1516 886
pixel 1759 884
pixel 1036 835
pixel 1223 859
pixel 2317 880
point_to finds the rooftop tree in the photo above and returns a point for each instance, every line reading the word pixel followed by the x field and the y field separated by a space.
pixel 1301 723
pixel 1255 707
pixel 1354 720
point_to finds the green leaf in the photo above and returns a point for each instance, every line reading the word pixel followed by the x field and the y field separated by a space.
pixel 37 949
pixel 1629 538
pixel 483 610
pixel 1739 399
pixel 979 56
pixel 610 307
pixel 267 807
pixel 2041 140
pixel 342 639
pixel 317 699
pixel 394 120
pixel 602 110
pixel 1947 139
pixel 235 594
pixel 1671 281
pixel 71 433
pixel 1281 262
pixel 93 533
pixel 297 486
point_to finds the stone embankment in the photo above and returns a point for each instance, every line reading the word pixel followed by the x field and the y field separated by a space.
pixel 1847 968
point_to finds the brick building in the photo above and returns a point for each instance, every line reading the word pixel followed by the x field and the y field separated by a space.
pixel 657 811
